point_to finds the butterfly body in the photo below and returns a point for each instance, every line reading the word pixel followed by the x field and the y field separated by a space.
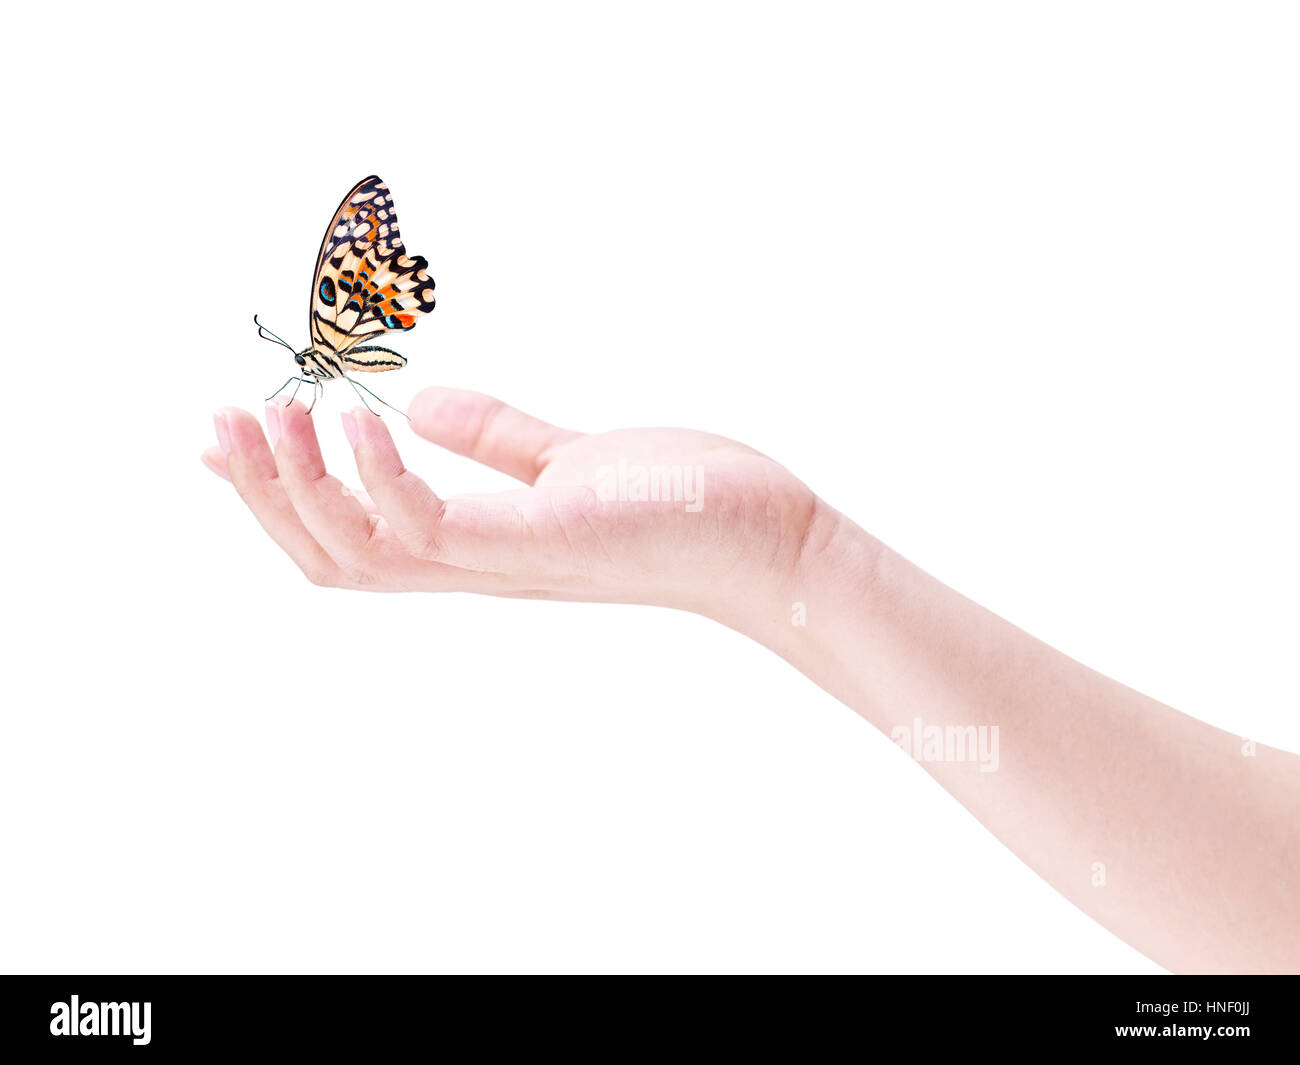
pixel 365 285
pixel 326 365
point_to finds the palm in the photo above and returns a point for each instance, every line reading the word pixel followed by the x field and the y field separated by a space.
pixel 673 509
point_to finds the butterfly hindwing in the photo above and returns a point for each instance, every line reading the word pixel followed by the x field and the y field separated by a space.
pixel 365 283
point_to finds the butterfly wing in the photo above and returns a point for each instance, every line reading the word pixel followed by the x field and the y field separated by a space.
pixel 365 283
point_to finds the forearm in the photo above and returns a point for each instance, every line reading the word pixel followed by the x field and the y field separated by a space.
pixel 1182 839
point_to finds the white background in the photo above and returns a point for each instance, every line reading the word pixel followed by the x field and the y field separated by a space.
pixel 1014 285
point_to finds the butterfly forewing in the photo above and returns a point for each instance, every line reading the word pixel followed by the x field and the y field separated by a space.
pixel 365 283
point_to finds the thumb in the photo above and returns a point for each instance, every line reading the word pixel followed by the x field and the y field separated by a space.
pixel 486 430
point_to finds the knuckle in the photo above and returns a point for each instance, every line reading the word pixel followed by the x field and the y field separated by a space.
pixel 362 577
pixel 320 577
pixel 356 561
pixel 424 539
pixel 424 545
pixel 481 432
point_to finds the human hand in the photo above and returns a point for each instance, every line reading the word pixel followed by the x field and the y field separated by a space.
pixel 721 532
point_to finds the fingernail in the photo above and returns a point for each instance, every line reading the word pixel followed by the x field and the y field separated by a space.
pixel 273 425
pixel 223 432
pixel 349 427
pixel 216 467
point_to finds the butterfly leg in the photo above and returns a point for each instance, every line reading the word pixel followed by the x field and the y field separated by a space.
pixel 315 394
pixel 357 385
pixel 361 397
pixel 284 386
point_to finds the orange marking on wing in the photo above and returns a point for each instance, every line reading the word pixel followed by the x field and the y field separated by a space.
pixel 406 319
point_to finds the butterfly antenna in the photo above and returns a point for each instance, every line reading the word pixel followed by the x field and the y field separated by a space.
pixel 357 384
pixel 266 334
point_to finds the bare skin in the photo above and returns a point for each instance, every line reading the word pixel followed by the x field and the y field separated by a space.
pixel 1182 839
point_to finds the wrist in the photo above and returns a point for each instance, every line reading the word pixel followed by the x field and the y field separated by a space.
pixel 833 570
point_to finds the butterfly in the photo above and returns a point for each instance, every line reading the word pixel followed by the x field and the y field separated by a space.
pixel 365 286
